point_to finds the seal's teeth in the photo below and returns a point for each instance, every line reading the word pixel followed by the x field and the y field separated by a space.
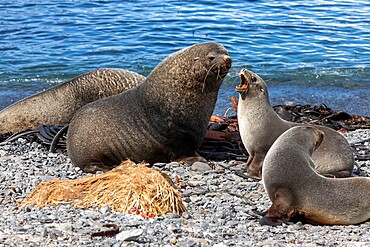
pixel 244 82
pixel 244 86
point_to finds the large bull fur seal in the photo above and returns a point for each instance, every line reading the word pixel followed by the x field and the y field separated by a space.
pixel 163 119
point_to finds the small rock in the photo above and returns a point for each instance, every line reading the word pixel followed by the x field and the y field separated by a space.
pixel 295 227
pixel 200 166
pixel 52 155
pixel 129 235
pixel 104 209
pixel 44 232
pixel 67 227
pixel 220 245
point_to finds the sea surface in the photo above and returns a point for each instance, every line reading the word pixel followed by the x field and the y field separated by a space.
pixel 308 52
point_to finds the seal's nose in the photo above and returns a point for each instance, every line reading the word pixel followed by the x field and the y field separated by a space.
pixel 228 61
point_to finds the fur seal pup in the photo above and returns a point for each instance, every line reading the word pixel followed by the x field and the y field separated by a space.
pixel 298 192
pixel 164 118
pixel 57 105
pixel 260 126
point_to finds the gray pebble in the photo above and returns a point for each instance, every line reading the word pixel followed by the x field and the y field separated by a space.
pixel 129 235
pixel 200 166
pixel 104 209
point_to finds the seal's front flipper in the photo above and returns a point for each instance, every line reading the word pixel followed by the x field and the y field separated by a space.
pixel 280 211
pixel 254 165
pixel 191 159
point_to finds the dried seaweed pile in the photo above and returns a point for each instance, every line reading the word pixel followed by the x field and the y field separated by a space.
pixel 223 142
pixel 323 115
pixel 52 136
pixel 127 188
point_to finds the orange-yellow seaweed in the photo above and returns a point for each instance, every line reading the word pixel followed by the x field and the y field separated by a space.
pixel 127 188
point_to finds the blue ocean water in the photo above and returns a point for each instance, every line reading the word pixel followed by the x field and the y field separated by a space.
pixel 308 52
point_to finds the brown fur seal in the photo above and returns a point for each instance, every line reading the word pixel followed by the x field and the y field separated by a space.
pixel 57 105
pixel 297 191
pixel 260 126
pixel 163 119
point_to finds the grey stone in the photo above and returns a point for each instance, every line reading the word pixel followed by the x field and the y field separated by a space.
pixel 129 235
pixel 200 166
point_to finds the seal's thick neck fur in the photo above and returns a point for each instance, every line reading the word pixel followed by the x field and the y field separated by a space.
pixel 184 87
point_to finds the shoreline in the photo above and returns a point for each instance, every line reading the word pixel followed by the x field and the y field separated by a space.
pixel 219 207
pixel 335 97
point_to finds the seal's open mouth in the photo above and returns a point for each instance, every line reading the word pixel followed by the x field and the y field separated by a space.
pixel 243 87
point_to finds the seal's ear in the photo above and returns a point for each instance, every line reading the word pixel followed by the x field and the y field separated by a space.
pixel 320 139
pixel 261 89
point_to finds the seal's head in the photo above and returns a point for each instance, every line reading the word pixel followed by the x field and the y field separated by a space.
pixel 201 66
pixel 251 85
pixel 210 64
pixel 316 136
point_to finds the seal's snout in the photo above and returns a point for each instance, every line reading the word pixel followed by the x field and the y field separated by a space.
pixel 228 61
pixel 223 65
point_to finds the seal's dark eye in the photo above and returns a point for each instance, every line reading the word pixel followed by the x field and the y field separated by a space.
pixel 211 58
pixel 253 78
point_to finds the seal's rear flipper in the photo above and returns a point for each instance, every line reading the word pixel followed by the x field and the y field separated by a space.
pixel 49 135
pixel 275 216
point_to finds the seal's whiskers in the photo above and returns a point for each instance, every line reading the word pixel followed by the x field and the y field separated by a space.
pixel 232 79
pixel 205 78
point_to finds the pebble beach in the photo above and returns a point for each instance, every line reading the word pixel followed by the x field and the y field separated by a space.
pixel 221 207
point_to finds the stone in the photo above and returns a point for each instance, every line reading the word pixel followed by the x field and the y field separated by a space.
pixel 200 166
pixel 129 235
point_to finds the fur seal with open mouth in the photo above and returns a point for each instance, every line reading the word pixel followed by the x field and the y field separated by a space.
pixel 260 126
pixel 57 105
pixel 298 192
pixel 163 119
